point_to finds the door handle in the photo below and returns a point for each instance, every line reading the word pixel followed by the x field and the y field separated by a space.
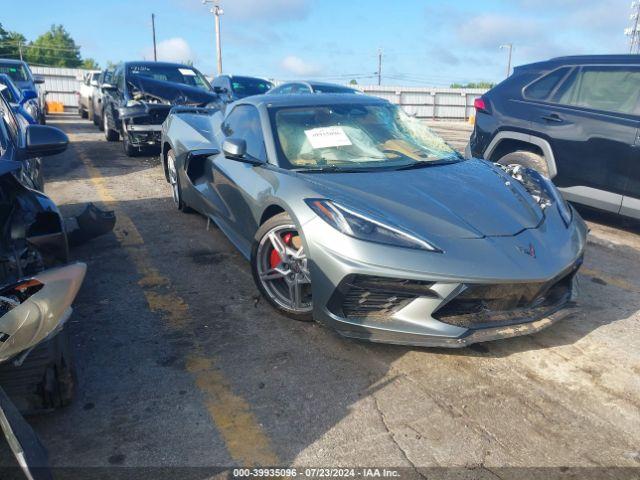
pixel 552 117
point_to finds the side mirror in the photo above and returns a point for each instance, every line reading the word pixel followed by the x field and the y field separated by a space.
pixel 220 90
pixel 108 87
pixel 38 79
pixel 43 141
pixel 28 95
pixel 94 83
pixel 234 148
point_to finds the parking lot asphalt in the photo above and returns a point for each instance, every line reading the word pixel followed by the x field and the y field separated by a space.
pixel 181 363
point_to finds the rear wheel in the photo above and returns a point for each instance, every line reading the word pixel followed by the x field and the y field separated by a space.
pixel 280 269
pixel 526 159
pixel 83 113
pixel 110 134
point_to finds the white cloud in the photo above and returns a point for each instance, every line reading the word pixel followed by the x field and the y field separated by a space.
pixel 297 66
pixel 172 50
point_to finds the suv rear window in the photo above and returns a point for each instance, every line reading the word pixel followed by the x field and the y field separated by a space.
pixel 607 88
pixel 542 88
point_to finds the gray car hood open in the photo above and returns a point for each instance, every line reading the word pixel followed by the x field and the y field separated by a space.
pixel 467 199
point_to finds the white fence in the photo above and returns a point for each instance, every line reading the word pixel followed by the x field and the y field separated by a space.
pixel 61 84
pixel 433 103
pixel 423 102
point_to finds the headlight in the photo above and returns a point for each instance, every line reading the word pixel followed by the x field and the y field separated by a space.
pixel 362 227
pixel 31 109
pixel 543 191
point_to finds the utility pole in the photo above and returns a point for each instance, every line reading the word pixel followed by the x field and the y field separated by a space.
pixel 379 66
pixel 633 32
pixel 510 47
pixel 20 49
pixel 153 30
pixel 217 11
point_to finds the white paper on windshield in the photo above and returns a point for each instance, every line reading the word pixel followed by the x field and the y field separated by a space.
pixel 187 71
pixel 326 137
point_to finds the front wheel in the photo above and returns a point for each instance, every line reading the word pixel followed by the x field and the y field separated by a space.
pixel 110 134
pixel 129 150
pixel 526 159
pixel 280 268
pixel 174 181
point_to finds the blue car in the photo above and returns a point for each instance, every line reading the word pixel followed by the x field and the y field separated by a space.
pixel 16 98
pixel 22 78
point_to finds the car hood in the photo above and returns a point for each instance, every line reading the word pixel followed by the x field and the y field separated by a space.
pixel 467 199
pixel 173 93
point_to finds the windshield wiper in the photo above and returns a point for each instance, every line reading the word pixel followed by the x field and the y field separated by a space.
pixel 430 163
pixel 327 168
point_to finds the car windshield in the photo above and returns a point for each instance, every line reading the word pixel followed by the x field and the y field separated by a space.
pixel 352 136
pixel 333 89
pixel 246 86
pixel 16 72
pixel 185 75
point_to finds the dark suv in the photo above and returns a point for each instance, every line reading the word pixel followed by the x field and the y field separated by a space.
pixel 140 95
pixel 575 119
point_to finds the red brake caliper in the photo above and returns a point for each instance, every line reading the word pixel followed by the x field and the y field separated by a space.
pixel 274 258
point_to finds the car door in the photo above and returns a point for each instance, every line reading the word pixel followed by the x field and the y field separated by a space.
pixel 238 184
pixel 30 172
pixel 590 120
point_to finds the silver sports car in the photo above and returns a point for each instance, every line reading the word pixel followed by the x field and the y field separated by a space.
pixel 358 216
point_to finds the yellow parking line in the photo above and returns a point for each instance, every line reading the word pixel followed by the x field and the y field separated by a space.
pixel 244 438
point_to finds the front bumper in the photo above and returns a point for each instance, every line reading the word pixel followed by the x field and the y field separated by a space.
pixel 413 313
pixel 143 123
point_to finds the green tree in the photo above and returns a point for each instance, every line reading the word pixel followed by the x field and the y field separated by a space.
pixel 90 64
pixel 353 82
pixel 10 43
pixel 54 48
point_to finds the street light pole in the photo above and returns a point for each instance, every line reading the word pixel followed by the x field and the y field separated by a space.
pixel 217 11
pixel 510 47
pixel 153 30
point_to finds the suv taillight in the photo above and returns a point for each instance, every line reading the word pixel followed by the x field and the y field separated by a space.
pixel 480 105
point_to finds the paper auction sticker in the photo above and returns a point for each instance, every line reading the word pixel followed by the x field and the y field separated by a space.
pixel 187 71
pixel 326 137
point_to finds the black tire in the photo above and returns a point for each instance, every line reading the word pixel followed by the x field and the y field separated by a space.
pixel 99 122
pixel 83 113
pixel 176 188
pixel 43 119
pixel 129 150
pixel 110 134
pixel 46 380
pixel 526 159
pixel 94 117
pixel 275 221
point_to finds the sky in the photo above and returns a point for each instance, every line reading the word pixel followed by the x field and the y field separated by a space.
pixel 423 42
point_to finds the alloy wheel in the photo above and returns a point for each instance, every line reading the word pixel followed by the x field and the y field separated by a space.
pixel 173 179
pixel 283 270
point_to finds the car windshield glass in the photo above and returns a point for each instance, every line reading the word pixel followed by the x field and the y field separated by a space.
pixel 244 86
pixel 184 75
pixel 16 72
pixel 333 89
pixel 353 136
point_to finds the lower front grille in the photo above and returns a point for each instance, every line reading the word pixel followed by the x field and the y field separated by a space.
pixel 362 296
pixel 493 305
